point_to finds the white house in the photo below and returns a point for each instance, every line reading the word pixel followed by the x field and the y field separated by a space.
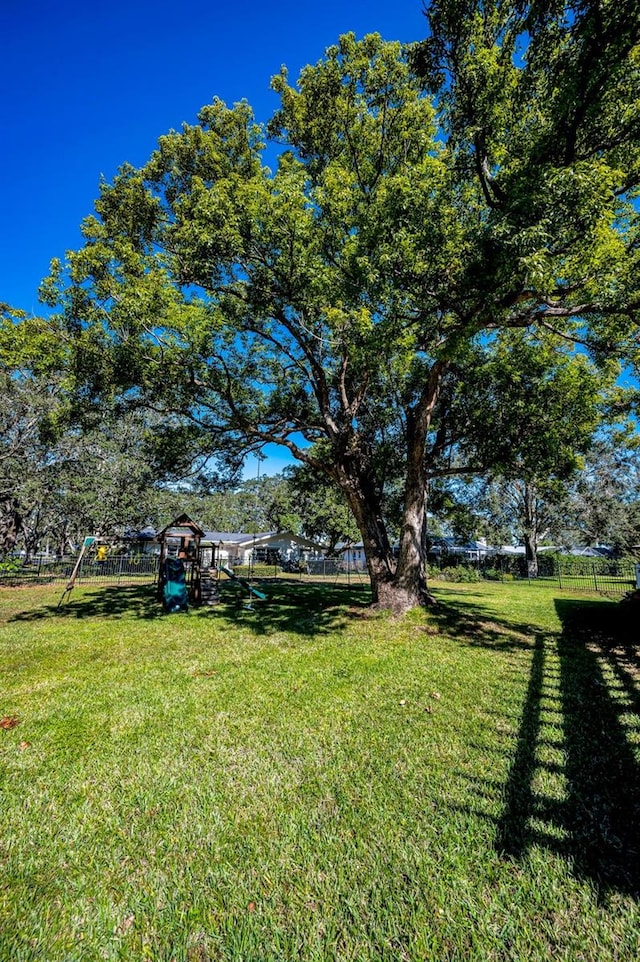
pixel 266 547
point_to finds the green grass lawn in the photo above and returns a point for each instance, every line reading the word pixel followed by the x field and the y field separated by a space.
pixel 308 780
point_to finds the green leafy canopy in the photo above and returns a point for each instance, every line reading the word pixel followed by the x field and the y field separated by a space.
pixel 422 200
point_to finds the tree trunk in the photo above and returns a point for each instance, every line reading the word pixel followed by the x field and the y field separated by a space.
pixel 364 503
pixel 403 585
pixel 10 526
pixel 31 534
pixel 410 582
pixel 530 530
pixel 531 555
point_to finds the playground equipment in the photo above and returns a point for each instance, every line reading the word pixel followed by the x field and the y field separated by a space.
pixel 180 569
pixel 174 587
pixel 183 541
pixel 87 543
pixel 189 566
pixel 243 581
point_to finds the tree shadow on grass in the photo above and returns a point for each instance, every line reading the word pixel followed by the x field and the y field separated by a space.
pixel 298 607
pixel 595 822
pixel 113 601
pixel 470 622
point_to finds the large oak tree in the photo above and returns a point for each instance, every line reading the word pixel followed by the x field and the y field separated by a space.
pixel 419 202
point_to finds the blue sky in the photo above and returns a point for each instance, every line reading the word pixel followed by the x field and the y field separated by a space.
pixel 89 86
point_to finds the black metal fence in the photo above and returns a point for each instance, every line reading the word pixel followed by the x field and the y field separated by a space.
pixel 613 577
pixel 568 572
pixel 114 570
pixel 575 573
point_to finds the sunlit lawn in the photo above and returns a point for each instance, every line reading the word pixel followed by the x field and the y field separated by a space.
pixel 310 781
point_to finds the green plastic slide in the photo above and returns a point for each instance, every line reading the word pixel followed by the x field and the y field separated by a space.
pixel 175 586
pixel 243 581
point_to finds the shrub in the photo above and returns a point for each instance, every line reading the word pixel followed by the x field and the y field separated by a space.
pixel 458 573
pixel 550 564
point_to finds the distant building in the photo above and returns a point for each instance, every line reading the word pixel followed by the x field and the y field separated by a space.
pixel 472 551
pixel 265 547
pixel 234 548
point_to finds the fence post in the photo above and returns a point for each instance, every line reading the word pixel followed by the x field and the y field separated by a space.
pixel 595 579
pixel 559 571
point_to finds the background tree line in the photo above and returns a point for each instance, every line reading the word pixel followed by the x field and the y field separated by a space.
pixel 59 482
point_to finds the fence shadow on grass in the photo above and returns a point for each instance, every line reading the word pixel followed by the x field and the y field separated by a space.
pixel 593 676
pixel 573 784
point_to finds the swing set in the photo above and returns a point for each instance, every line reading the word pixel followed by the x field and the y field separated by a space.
pixel 87 543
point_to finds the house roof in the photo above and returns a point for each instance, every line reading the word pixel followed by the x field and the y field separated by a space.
pixel 520 549
pixel 236 537
pixel 599 551
pixel 140 534
pixel 450 544
pixel 247 540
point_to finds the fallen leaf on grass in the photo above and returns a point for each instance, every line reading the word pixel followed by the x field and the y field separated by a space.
pixel 125 925
pixel 436 695
pixel 9 721
pixel 23 745
pixel 251 907
pixel 429 709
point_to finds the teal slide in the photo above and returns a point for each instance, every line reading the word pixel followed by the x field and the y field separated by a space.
pixel 174 590
pixel 243 581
